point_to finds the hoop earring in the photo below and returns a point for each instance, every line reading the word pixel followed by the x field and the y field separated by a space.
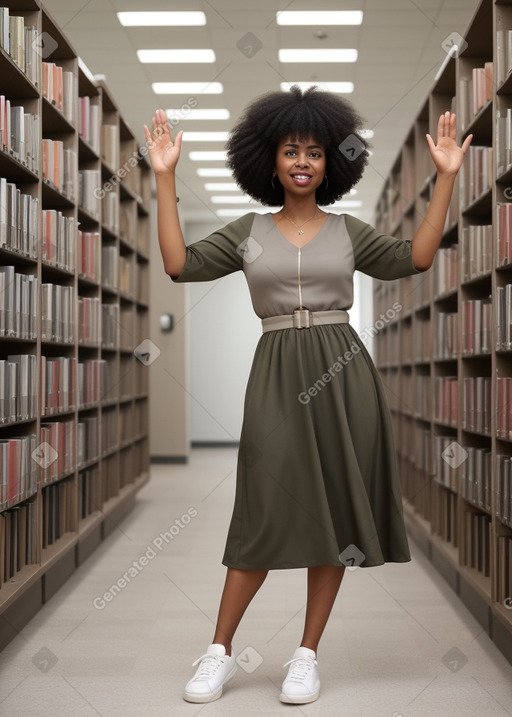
pixel 272 180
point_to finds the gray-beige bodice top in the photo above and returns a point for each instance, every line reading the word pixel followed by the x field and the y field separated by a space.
pixel 282 277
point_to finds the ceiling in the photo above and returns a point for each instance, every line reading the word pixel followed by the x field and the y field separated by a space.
pixel 399 51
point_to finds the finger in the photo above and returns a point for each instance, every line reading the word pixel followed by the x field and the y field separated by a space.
pixel 163 125
pixel 453 126
pixel 466 143
pixel 177 141
pixel 440 127
pixel 149 135
pixel 430 142
pixel 446 124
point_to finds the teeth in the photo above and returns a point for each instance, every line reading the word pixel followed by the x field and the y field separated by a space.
pixel 301 176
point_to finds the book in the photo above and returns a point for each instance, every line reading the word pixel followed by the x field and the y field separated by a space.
pixel 18 476
pixel 476 173
pixel 109 144
pixel 89 181
pixel 476 326
pixel 57 315
pixel 4 29
pixel 504 234
pixel 89 321
pixel 17 40
pixel 110 326
pixel 89 253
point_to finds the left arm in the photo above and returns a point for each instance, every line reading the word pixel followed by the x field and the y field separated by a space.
pixel 448 157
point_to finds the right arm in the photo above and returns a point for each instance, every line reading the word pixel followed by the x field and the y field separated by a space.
pixel 164 155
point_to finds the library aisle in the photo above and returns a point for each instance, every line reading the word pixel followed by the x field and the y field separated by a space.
pixel 399 642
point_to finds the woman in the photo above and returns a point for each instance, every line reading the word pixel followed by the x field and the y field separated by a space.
pixel 317 482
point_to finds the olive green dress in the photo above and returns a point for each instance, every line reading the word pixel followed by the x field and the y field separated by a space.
pixel 317 480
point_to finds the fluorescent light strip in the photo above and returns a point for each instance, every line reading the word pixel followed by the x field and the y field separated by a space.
pixel 177 56
pixel 338 211
pixel 187 88
pixel 205 136
pixel 221 187
pixel 169 19
pixel 242 199
pixel 240 212
pixel 347 204
pixel 207 156
pixel 213 114
pixel 214 172
pixel 342 87
pixel 317 55
pixel 316 18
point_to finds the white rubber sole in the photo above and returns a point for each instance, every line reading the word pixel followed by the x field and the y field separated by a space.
pixel 209 698
pixel 297 700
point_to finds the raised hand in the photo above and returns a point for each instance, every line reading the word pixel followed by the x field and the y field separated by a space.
pixel 447 155
pixel 163 152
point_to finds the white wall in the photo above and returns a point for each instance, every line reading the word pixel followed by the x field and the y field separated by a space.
pixel 361 313
pixel 223 333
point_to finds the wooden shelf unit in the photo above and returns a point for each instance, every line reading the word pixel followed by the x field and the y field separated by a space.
pixel 66 516
pixel 423 356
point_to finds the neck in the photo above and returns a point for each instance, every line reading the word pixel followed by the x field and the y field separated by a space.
pixel 300 209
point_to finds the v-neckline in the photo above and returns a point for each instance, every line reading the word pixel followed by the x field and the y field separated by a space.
pixel 288 242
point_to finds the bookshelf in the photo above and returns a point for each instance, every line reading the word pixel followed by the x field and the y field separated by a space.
pixel 74 304
pixel 446 360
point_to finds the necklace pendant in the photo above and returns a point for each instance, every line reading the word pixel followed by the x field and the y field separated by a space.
pixel 301 231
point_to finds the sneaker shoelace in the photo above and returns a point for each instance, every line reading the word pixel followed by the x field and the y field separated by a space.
pixel 301 667
pixel 209 666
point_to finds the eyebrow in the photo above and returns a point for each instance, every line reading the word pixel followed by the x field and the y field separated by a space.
pixel 310 146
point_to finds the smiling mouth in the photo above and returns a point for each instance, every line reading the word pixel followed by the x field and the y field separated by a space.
pixel 301 176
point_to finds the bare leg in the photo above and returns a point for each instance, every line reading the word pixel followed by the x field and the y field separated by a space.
pixel 239 589
pixel 323 585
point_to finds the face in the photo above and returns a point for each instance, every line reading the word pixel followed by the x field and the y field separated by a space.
pixel 300 166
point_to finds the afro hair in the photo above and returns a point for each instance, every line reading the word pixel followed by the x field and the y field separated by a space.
pixel 329 119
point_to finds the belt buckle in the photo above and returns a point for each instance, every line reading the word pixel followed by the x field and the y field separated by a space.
pixel 302 319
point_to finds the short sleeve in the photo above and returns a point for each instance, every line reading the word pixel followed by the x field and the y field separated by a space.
pixel 218 254
pixel 379 255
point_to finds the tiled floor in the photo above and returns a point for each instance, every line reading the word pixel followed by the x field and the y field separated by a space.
pixel 398 643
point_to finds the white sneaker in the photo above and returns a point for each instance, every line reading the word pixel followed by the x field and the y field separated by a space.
pixel 215 670
pixel 301 684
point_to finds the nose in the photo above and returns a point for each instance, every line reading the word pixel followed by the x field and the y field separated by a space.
pixel 302 162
